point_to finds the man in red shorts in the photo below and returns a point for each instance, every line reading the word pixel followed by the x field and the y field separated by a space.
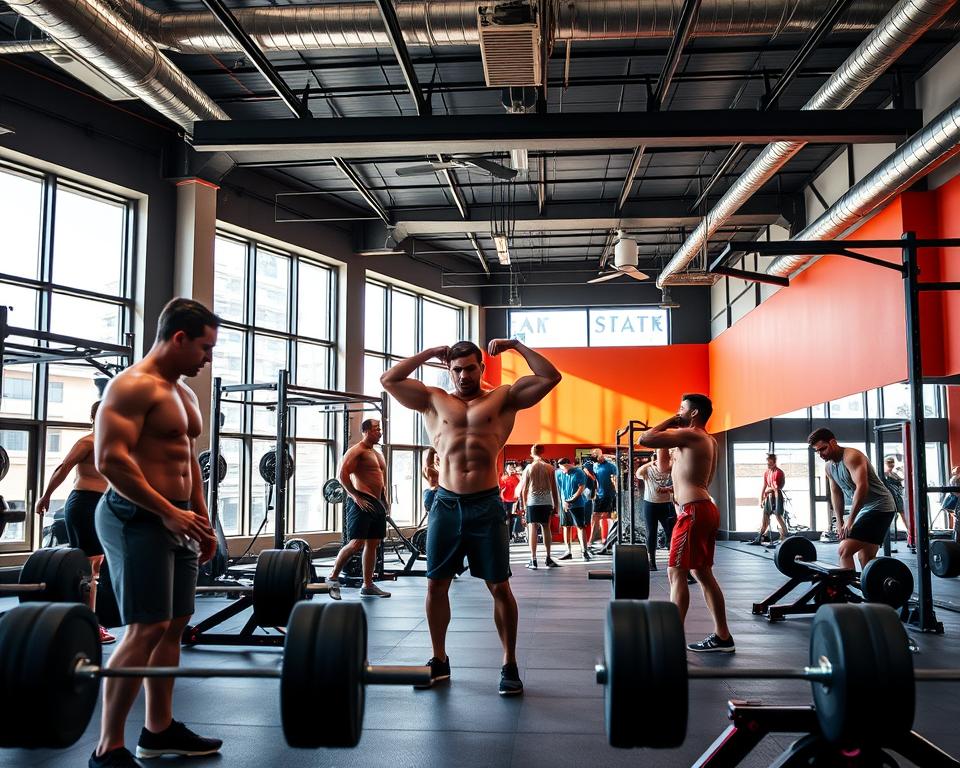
pixel 695 532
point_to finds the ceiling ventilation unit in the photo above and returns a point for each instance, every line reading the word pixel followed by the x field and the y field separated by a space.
pixel 90 76
pixel 690 278
pixel 510 43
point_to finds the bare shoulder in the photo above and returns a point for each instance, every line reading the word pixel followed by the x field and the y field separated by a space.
pixel 188 393
pixel 131 390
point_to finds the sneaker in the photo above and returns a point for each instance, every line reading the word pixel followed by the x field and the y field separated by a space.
pixel 551 563
pixel 653 566
pixel 439 670
pixel 115 758
pixel 510 683
pixel 105 637
pixel 373 591
pixel 532 565
pixel 568 556
pixel 177 739
pixel 331 580
pixel 754 542
pixel 587 557
pixel 713 644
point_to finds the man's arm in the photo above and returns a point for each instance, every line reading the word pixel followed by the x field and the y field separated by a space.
pixel 836 500
pixel 347 467
pixel 527 390
pixel 411 393
pixel 668 434
pixel 80 450
pixel 198 505
pixel 860 476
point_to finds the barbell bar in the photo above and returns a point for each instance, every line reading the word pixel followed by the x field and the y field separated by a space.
pixel 55 574
pixel 311 589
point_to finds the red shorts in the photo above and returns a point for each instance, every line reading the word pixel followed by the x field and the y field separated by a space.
pixel 695 535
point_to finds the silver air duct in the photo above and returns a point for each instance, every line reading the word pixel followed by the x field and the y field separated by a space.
pixel 905 23
pixel 28 46
pixel 927 149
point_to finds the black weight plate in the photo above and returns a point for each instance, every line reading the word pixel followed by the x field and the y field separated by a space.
pixel 871 690
pixel 268 466
pixel 4 462
pixel 419 540
pixel 333 491
pixel 628 667
pixel 887 580
pixel 15 729
pixel 204 460
pixel 300 545
pixel 279 583
pixel 631 572
pixel 65 571
pixel 786 557
pixel 666 690
pixel 945 559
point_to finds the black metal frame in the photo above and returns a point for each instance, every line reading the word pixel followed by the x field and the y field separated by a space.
pixel 625 500
pixel 921 616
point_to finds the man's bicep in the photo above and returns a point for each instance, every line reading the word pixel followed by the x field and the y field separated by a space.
pixel 527 391
pixel 410 393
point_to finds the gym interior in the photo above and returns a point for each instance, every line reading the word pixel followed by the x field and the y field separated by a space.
pixel 753 201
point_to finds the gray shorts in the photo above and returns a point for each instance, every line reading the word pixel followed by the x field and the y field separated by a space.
pixel 153 571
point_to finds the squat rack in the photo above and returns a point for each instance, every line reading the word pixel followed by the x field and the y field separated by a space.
pixel 922 616
pixel 625 497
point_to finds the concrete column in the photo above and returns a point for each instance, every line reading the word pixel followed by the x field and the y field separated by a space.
pixel 193 268
pixel 352 317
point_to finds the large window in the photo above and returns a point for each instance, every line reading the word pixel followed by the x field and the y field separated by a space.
pixel 399 322
pixel 66 268
pixel 279 310
pixel 591 327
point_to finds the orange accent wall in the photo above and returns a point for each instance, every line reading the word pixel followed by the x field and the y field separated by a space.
pixel 948 215
pixel 603 388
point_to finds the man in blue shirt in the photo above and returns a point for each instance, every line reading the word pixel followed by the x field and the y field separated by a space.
pixel 606 500
pixel 572 483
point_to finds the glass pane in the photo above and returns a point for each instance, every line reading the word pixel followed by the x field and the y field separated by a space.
pixel 403 484
pixel 310 476
pixel 749 464
pixel 258 490
pixel 228 364
pixel 798 414
pixel 16 397
pixel 85 318
pixel 21 304
pixel 230 258
pixel 20 206
pixel 819 411
pixel 13 487
pixel 792 459
pixel 269 356
pixel 88 242
pixel 403 324
pixel 850 407
pixel 441 325
pixel 313 305
pixel 896 401
pixel 372 371
pixel 59 443
pixel 400 428
pixel 873 404
pixel 930 402
pixel 373 318
pixel 71 390
pixel 312 366
pixel 230 449
pixel 271 299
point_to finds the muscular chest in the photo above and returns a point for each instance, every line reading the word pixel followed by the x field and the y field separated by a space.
pixel 173 415
pixel 367 462
pixel 478 415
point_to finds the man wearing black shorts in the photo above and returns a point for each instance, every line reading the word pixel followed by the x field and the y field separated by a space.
pixel 153 525
pixel 574 511
pixel 363 474
pixel 605 503
pixel 469 428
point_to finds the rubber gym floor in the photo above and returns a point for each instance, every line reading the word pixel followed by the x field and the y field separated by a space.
pixel 559 720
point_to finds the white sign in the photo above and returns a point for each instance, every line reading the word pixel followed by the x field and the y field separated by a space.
pixel 549 328
pixel 628 327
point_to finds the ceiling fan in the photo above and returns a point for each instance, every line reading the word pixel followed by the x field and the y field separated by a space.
pixel 625 258
pixel 487 166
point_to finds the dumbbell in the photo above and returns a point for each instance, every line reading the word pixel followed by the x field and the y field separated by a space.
pixel 861 672
pixel 59 575
pixel 629 572
pixel 50 663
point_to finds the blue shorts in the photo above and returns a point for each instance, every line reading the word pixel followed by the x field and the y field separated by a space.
pixel 468 525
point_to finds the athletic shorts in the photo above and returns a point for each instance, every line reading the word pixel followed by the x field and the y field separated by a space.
pixel 539 513
pixel 470 526
pixel 78 517
pixel 605 504
pixel 695 535
pixel 362 524
pixel 872 526
pixel 773 504
pixel 509 508
pixel 153 571
pixel 578 517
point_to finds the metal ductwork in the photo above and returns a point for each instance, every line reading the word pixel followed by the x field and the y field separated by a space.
pixel 27 46
pixel 454 22
pixel 905 23
pixel 94 32
pixel 923 152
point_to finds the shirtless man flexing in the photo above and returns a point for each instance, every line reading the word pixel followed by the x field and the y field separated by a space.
pixel 695 532
pixel 363 475
pixel 469 427
pixel 153 524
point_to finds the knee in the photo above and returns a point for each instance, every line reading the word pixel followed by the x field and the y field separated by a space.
pixel 147 635
pixel 177 625
pixel 355 546
pixel 437 588
pixel 500 590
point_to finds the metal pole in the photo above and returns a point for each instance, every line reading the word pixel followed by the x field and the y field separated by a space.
pixel 213 476
pixel 629 485
pixel 923 616
pixel 280 477
pixel 878 444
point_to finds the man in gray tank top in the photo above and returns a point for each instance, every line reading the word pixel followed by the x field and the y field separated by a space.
pixel 854 486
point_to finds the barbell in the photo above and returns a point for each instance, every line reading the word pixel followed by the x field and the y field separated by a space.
pixel 50 663
pixel 945 558
pixel 629 572
pixel 204 461
pixel 58 574
pixel 861 672
pixel 4 462
pixel 334 492
pixel 268 466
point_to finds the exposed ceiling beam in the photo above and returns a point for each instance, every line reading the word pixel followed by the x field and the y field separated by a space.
pixel 480 254
pixel 365 193
pixel 392 25
pixel 284 140
pixel 455 192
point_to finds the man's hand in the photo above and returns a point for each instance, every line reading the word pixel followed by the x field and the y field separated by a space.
pixel 845 529
pixel 365 504
pixel 497 346
pixel 183 522
pixel 441 353
pixel 208 545
pixel 43 504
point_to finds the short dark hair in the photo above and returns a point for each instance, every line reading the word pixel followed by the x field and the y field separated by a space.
pixel 367 424
pixel 823 434
pixel 93 409
pixel 564 461
pixel 702 403
pixel 464 349
pixel 772 456
pixel 185 315
pixel 536 449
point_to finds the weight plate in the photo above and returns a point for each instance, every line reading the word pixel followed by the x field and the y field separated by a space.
pixel 786 557
pixel 631 572
pixel 204 460
pixel 419 540
pixel 4 462
pixel 279 583
pixel 268 466
pixel 872 690
pixel 300 545
pixel 666 715
pixel 945 559
pixel 65 571
pixel 887 580
pixel 333 491
pixel 39 647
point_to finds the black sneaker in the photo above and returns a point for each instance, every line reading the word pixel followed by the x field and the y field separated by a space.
pixel 754 542
pixel 568 556
pixel 177 739
pixel 532 565
pixel 439 670
pixel 115 758
pixel 713 644
pixel 551 563
pixel 510 683
pixel 587 557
